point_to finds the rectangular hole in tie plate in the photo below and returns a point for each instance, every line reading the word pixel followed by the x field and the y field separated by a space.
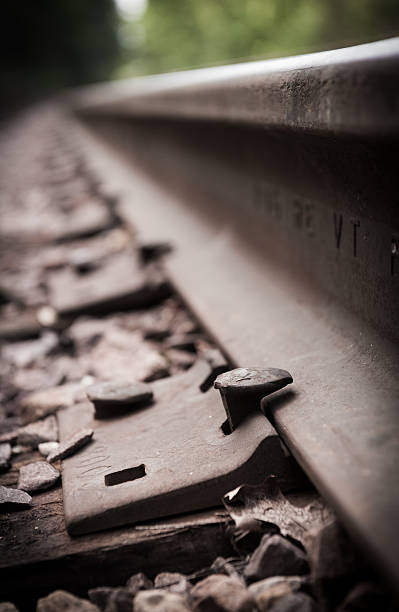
pixel 126 475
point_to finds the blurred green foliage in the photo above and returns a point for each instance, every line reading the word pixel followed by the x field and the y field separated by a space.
pixel 176 34
pixel 46 45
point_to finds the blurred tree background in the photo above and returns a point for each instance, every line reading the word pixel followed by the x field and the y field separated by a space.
pixel 51 44
pixel 176 34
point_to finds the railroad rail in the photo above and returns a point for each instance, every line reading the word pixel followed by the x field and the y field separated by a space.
pixel 276 183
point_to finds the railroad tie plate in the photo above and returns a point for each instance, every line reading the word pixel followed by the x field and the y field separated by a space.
pixel 169 457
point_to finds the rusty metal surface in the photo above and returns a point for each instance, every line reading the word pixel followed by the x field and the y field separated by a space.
pixel 163 459
pixel 321 91
pixel 243 389
pixel 285 248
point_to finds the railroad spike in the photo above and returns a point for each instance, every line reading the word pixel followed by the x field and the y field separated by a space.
pixel 243 389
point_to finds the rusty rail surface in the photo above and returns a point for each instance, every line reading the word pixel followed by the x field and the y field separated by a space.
pixel 277 184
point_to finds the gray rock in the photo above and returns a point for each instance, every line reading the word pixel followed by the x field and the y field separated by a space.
pixel 182 324
pixel 156 600
pixel 9 436
pixel 36 476
pixel 18 449
pixel 91 217
pixel 61 600
pixel 181 359
pixel 86 331
pixel 10 498
pixel 89 253
pixel 45 430
pixel 45 448
pixel 5 451
pixel 295 602
pixel 20 326
pixel 112 599
pixel 39 377
pixel 120 600
pixel 5 454
pixel 127 353
pixel 157 323
pixel 223 566
pixel 335 563
pixel 69 447
pixel 110 398
pixel 276 556
pixel 221 593
pixel 68 369
pixel 46 316
pixel 294 583
pixel 120 282
pixel 272 593
pixel 23 354
pixel 7 606
pixel 138 582
pixel 39 404
pixel 267 598
pixel 173 582
pixel 100 596
pixel 185 342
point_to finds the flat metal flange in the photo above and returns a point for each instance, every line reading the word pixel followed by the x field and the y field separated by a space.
pixel 169 457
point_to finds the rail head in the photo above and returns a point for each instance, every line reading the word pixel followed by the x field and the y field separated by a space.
pixel 349 91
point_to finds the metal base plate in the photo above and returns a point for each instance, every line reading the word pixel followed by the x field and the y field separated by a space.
pixel 164 459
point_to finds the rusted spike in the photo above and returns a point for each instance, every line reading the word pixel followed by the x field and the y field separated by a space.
pixel 242 390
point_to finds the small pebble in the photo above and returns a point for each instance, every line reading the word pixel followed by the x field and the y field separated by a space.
pixel 294 583
pixel 9 436
pixel 294 602
pixel 268 597
pixel 23 354
pixel 100 596
pixel 110 599
pixel 47 316
pixel 173 582
pixel 69 447
pixel 45 448
pixel 18 449
pixel 156 600
pixel 36 476
pixel 267 594
pixel 13 498
pixel 45 430
pixel 5 455
pixel 138 582
pixel 185 342
pixel 222 566
pixel 39 404
pixel 181 359
pixel 334 562
pixel 222 593
pixel 61 600
pixel 276 556
pixel 7 606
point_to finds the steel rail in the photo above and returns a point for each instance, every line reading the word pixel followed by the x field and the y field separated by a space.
pixel 277 184
pixel 346 90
